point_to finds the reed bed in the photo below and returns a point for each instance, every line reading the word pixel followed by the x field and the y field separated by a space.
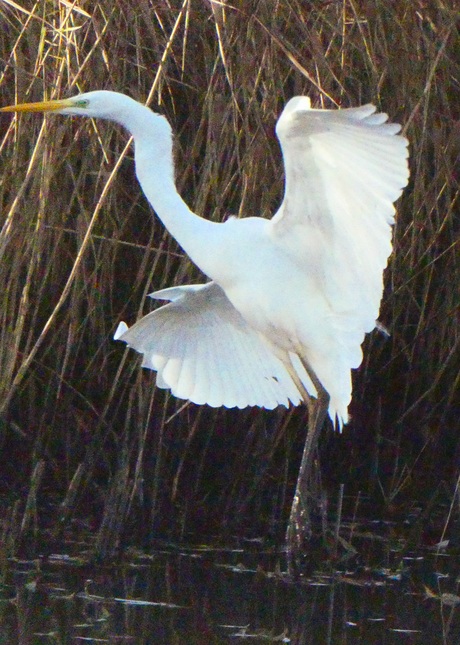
pixel 86 438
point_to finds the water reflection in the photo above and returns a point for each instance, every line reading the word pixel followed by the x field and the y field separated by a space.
pixel 211 596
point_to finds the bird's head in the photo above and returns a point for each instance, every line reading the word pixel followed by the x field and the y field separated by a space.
pixel 113 106
pixel 100 104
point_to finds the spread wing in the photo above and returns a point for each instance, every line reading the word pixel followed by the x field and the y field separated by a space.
pixel 204 351
pixel 344 169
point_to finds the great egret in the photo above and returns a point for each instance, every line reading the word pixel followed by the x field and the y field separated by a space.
pixel 290 299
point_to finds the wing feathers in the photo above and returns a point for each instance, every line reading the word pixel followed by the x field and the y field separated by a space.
pixel 344 170
pixel 203 350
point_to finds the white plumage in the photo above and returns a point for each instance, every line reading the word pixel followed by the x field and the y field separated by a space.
pixel 308 283
pixel 290 299
pixel 204 350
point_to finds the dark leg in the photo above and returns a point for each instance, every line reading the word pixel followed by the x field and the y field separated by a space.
pixel 299 527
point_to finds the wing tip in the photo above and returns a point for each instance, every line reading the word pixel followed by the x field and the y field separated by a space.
pixel 120 330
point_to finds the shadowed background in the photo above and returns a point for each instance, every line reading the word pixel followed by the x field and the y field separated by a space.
pixel 86 439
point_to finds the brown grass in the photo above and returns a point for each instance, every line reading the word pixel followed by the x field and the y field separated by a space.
pixel 82 426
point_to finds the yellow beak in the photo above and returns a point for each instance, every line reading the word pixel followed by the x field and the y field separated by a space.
pixel 42 106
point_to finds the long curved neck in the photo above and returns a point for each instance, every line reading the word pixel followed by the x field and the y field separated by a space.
pixel 199 237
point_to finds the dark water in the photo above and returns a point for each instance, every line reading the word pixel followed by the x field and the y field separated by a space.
pixel 206 596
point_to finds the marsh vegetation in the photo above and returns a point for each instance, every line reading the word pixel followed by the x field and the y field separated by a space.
pixel 86 438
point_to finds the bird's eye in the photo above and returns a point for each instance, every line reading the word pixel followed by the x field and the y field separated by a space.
pixel 81 103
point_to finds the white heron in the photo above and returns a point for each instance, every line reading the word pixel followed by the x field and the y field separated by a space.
pixel 291 298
